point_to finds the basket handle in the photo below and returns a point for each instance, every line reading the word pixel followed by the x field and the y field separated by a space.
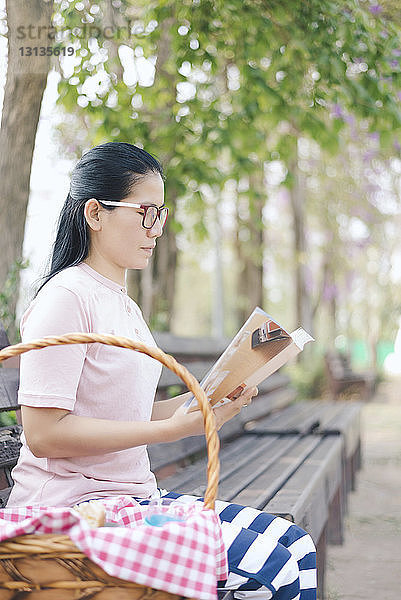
pixel 212 439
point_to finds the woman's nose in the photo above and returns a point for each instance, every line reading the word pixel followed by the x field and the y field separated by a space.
pixel 156 230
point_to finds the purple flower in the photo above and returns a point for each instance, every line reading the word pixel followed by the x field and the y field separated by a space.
pixel 362 244
pixel 394 63
pixel 283 197
pixel 330 291
pixel 367 216
pixel 350 119
pixel 308 280
pixel 371 188
pixel 397 145
pixel 350 278
pixel 375 9
pixel 396 52
pixel 337 111
pixel 367 157
pixel 399 95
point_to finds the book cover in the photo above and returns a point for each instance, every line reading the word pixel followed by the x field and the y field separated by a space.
pixel 259 349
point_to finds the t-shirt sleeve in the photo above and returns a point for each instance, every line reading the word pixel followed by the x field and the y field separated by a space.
pixel 49 377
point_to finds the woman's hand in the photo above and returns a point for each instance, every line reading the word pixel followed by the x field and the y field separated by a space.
pixel 228 411
pixel 185 424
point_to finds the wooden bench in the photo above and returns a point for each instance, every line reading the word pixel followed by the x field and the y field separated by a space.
pixel 298 477
pixel 296 460
pixel 326 419
pixel 342 380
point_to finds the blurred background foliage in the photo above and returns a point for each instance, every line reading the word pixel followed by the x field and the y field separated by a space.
pixel 279 128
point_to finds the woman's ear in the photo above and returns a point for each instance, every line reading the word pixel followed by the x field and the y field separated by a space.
pixel 92 214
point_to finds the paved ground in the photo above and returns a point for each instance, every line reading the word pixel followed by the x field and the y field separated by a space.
pixel 368 565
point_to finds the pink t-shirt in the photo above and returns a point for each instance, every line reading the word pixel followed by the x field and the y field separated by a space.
pixel 92 380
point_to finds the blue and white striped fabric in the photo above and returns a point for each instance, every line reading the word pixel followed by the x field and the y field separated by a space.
pixel 268 556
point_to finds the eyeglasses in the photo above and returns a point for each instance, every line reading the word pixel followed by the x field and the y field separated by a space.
pixel 150 214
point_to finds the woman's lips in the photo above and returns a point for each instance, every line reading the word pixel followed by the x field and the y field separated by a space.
pixel 148 251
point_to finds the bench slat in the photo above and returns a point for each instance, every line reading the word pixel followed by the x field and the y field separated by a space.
pixel 239 480
pixel 165 454
pixel 260 489
pixel 194 475
pixel 273 459
pixel 298 418
pixel 301 417
pixel 266 403
pixel 261 405
pixel 237 469
pixel 306 495
pixel 347 423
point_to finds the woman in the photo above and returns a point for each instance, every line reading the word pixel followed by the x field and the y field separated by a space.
pixel 88 410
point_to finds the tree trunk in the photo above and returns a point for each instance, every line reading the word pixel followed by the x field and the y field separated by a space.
pixel 155 291
pixel 255 256
pixel 250 246
pixel 332 326
pixel 218 280
pixel 25 84
pixel 136 280
pixel 113 19
pixel 303 309
pixel 164 278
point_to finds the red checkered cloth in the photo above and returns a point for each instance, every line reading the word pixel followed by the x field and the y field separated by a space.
pixel 186 558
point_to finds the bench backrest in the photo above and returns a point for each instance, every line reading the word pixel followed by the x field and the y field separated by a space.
pixel 338 365
pixel 14 361
pixel 9 377
pixel 4 341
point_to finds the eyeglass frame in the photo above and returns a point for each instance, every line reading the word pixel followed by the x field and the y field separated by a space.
pixel 144 207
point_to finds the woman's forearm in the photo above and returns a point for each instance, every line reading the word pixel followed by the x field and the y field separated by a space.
pixel 56 433
pixel 72 435
pixel 164 409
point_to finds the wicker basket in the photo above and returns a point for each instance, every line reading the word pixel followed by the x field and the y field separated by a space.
pixel 51 567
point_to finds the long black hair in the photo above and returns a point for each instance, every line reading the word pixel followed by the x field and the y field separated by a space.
pixel 106 172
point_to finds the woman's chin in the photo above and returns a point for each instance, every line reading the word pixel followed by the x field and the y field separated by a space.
pixel 139 264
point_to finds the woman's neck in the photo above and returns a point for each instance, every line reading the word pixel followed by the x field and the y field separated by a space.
pixel 115 274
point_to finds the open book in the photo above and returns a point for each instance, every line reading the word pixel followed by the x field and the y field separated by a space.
pixel 260 348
